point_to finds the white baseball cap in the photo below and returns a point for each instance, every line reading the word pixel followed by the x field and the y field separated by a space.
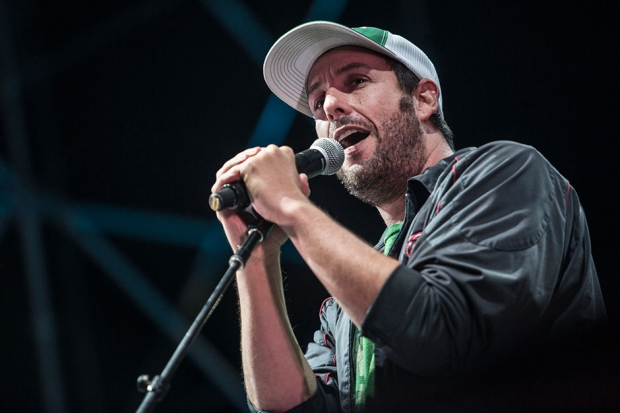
pixel 290 58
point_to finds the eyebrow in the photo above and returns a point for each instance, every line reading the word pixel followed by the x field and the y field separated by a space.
pixel 343 69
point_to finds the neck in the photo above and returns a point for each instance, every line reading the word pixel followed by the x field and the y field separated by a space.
pixel 393 212
pixel 437 149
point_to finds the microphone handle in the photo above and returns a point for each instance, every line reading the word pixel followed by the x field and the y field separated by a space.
pixel 232 196
pixel 312 162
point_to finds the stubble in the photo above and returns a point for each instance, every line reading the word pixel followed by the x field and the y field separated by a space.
pixel 399 155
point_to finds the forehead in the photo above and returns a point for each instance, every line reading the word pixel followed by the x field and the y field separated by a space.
pixel 339 58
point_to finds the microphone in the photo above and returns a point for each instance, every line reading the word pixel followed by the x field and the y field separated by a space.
pixel 324 157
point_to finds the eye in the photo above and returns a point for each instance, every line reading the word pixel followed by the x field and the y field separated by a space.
pixel 318 104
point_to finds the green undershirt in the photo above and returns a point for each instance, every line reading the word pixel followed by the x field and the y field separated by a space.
pixel 365 349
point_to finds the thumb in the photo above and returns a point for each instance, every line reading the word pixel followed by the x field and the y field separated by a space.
pixel 305 185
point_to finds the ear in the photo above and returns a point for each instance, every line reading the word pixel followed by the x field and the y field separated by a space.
pixel 426 96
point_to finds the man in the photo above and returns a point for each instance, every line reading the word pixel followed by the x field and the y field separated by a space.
pixel 486 252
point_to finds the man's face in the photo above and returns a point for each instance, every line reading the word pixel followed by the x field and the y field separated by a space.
pixel 355 99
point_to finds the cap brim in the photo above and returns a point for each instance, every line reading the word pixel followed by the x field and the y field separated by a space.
pixel 289 60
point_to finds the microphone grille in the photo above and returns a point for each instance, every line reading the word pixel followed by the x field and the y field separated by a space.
pixel 334 154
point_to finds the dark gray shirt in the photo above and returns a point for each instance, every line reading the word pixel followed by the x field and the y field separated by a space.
pixel 496 258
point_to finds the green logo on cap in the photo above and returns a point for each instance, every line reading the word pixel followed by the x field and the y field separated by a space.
pixel 378 36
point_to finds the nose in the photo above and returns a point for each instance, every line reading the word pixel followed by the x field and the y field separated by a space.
pixel 336 104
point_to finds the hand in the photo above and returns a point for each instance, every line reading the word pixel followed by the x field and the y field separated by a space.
pixel 270 176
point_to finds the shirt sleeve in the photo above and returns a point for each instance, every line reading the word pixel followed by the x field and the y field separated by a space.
pixel 318 402
pixel 486 268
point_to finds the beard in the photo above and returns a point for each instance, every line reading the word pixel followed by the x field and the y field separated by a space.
pixel 399 155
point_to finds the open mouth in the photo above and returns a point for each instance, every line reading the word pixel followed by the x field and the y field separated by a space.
pixel 352 137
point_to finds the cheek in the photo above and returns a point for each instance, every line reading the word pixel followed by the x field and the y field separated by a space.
pixel 378 106
pixel 377 113
pixel 388 104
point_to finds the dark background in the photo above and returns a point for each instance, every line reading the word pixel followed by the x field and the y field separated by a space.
pixel 117 114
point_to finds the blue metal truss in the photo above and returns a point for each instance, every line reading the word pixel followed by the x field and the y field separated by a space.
pixel 89 224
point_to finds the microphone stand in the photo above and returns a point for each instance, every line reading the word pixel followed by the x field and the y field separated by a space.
pixel 156 387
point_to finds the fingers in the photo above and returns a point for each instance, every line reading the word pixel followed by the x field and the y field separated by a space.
pixel 305 185
pixel 270 170
pixel 229 171
pixel 250 162
pixel 237 159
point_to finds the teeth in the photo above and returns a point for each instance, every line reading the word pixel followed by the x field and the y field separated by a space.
pixel 348 133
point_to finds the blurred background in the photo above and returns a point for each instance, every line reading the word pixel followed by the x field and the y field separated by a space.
pixel 115 116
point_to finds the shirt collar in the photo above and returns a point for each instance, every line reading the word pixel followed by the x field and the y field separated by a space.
pixel 422 185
